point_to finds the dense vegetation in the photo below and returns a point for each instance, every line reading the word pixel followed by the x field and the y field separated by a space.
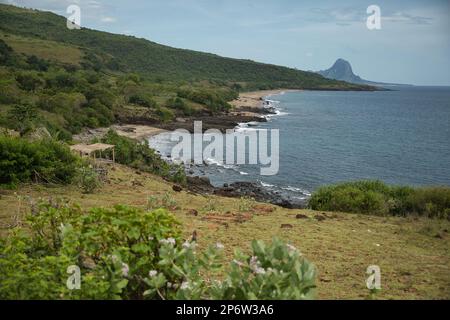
pixel 40 161
pixel 67 80
pixel 126 253
pixel 375 197
pixel 138 155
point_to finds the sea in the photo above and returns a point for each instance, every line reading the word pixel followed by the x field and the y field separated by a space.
pixel 401 137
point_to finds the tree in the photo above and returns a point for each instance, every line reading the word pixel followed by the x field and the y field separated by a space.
pixel 29 81
pixel 37 63
pixel 23 116
pixel 5 53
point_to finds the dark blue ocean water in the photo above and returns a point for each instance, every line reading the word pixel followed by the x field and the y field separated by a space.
pixel 400 137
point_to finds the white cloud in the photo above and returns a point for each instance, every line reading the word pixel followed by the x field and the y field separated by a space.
pixel 108 19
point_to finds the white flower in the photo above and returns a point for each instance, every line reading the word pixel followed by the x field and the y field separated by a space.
pixel 152 273
pixel 185 285
pixel 125 269
pixel 291 247
pixel 186 245
pixel 255 266
pixel 220 246
pixel 240 264
pixel 150 238
pixel 260 270
pixel 168 241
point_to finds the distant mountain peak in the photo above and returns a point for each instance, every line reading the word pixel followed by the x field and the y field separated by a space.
pixel 342 70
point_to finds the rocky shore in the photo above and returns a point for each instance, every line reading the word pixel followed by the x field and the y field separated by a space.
pixel 250 107
pixel 252 190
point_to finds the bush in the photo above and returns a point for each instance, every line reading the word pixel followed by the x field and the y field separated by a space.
pixel 6 53
pixel 88 179
pixel 179 104
pixel 273 272
pixel 24 161
pixel 126 253
pixel 23 117
pixel 29 81
pixel 114 249
pixel 375 197
pixel 142 100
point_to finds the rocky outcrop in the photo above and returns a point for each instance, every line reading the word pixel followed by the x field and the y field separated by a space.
pixel 245 189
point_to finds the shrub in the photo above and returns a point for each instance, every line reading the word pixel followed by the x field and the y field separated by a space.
pixel 88 179
pixel 114 249
pixel 24 161
pixel 142 100
pixel 23 117
pixel 375 197
pixel 6 52
pixel 126 253
pixel 165 114
pixel 276 271
pixel 179 104
pixel 29 81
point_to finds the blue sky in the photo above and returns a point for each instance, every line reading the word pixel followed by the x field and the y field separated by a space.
pixel 413 45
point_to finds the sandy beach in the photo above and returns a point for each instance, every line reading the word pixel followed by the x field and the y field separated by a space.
pixel 132 131
pixel 253 99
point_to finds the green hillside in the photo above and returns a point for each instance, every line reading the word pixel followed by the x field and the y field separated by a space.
pixel 67 80
pixel 130 54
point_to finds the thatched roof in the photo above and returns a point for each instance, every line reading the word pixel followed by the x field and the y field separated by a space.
pixel 88 149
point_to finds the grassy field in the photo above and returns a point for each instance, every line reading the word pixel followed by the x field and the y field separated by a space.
pixel 413 253
pixel 44 49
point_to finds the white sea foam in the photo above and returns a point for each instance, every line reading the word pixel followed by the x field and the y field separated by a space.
pixel 215 162
pixel 295 189
pixel 267 185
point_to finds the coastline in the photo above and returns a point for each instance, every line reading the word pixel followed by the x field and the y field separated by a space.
pixel 250 108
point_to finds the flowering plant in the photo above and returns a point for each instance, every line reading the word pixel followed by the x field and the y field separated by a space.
pixel 275 271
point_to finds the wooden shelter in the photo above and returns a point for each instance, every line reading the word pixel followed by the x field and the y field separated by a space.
pixel 89 150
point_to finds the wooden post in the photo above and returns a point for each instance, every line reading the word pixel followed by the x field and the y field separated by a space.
pixel 114 156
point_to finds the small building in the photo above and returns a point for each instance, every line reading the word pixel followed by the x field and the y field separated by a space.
pixel 90 150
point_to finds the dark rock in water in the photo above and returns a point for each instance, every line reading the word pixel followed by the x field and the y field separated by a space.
pixel 254 190
pixel 225 185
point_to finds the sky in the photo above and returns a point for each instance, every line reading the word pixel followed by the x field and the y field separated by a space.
pixel 412 46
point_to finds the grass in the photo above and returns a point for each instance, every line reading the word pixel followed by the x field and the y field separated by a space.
pixel 413 253
pixel 44 49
